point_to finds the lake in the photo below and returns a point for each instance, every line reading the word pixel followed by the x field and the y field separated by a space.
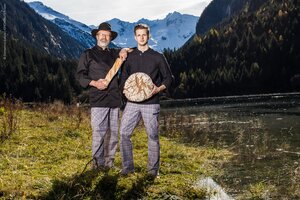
pixel 263 131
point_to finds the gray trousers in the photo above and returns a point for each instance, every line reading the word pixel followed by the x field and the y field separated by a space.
pixel 132 114
pixel 104 122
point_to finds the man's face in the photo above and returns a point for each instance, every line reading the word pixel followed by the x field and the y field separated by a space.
pixel 103 38
pixel 141 37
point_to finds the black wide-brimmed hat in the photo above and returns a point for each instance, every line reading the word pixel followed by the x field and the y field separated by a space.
pixel 104 27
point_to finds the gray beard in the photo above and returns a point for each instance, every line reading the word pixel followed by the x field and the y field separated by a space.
pixel 102 44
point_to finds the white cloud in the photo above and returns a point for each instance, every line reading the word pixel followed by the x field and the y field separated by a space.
pixel 93 12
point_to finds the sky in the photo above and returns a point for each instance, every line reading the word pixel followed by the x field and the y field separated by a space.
pixel 93 12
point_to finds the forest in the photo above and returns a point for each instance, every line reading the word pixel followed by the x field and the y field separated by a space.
pixel 256 52
pixel 33 76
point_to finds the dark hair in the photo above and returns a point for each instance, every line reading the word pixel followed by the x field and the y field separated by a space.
pixel 142 26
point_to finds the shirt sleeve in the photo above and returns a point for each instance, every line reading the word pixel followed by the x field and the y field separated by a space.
pixel 83 70
pixel 165 72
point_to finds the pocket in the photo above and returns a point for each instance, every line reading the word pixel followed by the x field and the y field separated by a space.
pixel 154 118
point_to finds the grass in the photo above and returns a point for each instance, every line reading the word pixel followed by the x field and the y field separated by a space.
pixel 260 190
pixel 46 158
pixel 9 120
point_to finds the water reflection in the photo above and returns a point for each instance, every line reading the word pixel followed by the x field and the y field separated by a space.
pixel 264 135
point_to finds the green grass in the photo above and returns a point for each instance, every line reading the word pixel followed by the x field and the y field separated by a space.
pixel 260 190
pixel 46 158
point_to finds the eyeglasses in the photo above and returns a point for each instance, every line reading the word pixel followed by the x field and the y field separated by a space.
pixel 104 35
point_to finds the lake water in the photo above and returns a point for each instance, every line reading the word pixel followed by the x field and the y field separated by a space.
pixel 263 131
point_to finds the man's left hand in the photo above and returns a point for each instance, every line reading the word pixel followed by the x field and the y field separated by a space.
pixel 157 89
pixel 123 54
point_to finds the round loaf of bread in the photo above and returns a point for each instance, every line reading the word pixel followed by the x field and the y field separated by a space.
pixel 138 87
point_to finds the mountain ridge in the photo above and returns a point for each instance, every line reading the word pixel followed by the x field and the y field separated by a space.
pixel 75 29
pixel 171 32
pixel 168 33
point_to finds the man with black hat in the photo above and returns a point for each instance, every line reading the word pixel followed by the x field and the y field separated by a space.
pixel 105 100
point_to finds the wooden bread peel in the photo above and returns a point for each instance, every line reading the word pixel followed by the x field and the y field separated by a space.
pixel 113 71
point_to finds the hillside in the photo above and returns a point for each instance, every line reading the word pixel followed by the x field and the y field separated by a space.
pixel 24 25
pixel 32 75
pixel 214 13
pixel 256 52
pixel 37 58
pixel 221 11
pixel 75 29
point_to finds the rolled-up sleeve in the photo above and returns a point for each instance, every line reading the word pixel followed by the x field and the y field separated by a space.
pixel 165 72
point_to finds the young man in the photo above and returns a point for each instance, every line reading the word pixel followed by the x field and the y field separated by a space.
pixel 104 100
pixel 146 60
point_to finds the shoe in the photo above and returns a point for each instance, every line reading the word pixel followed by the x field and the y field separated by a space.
pixel 123 173
pixel 99 168
pixel 152 174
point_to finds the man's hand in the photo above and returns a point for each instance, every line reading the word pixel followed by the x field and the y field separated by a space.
pixel 123 54
pixel 157 89
pixel 99 84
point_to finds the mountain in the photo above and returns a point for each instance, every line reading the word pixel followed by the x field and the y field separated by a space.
pixel 170 32
pixel 77 30
pixel 24 25
pixel 215 12
pixel 221 11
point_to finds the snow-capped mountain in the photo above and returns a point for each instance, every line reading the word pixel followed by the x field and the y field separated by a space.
pixel 170 32
pixel 75 29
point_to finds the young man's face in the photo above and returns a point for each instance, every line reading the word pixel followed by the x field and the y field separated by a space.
pixel 103 38
pixel 141 37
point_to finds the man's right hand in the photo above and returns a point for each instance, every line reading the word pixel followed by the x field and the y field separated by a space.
pixel 99 84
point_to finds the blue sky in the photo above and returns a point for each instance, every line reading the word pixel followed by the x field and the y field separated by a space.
pixel 92 12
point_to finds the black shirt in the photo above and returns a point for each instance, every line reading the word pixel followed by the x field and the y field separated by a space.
pixel 152 63
pixel 94 64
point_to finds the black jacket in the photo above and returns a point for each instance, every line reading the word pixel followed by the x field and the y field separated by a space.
pixel 152 63
pixel 94 64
